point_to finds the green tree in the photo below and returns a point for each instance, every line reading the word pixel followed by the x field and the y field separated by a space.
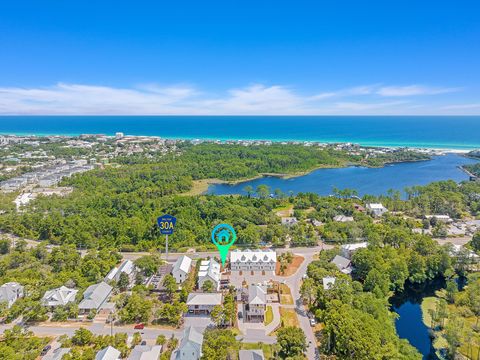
pixel 170 285
pixel 219 344
pixel 249 190
pixel 308 291
pixel 4 246
pixel 161 340
pixel 137 309
pixel 292 342
pixel 476 241
pixel 207 286
pixel 452 290
pixel 263 191
pixel 123 282
pixel 217 315
pixel 148 264
pixel 137 339
pixel 82 337
pixel 453 332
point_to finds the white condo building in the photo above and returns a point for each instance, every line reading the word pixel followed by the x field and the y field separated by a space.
pixel 253 260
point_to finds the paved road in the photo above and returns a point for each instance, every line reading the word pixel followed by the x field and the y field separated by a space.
pixel 56 330
pixel 294 282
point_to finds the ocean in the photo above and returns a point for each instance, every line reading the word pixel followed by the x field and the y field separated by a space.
pixel 447 132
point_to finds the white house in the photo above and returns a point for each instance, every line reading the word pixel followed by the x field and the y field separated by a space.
pixel 181 269
pixel 256 306
pixel 442 218
pixel 95 297
pixel 349 249
pixel 10 292
pixel 328 282
pixel 127 267
pixel 108 353
pixel 190 347
pixel 343 218
pixel 59 297
pixel 209 270
pixel 253 260
pixel 203 303
pixel 376 209
pixel 145 352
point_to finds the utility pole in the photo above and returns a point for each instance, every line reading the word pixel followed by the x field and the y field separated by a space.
pixel 166 249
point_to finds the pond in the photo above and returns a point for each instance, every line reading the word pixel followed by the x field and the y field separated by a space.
pixel 374 181
pixel 410 325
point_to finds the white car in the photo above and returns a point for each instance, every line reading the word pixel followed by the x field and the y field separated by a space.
pixel 313 322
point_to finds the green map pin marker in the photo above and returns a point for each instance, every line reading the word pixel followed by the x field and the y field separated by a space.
pixel 223 236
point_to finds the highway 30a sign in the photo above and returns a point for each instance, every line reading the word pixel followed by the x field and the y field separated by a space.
pixel 166 223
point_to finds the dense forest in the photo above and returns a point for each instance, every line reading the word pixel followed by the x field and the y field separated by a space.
pixel 117 205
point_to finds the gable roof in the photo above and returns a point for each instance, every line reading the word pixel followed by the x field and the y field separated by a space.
pixel 59 296
pixel 8 291
pixel 127 267
pixel 211 269
pixel 355 246
pixel 251 355
pixel 109 353
pixel 341 262
pixel 376 206
pixel 95 296
pixel 255 256
pixel 183 263
pixel 193 338
pixel 256 295
pixel 145 352
pixel 204 299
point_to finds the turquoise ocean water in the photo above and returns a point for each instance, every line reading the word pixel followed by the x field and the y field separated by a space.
pixel 453 132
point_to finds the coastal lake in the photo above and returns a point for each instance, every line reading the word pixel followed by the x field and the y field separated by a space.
pixel 374 181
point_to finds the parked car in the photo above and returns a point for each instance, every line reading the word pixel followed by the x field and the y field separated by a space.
pixel 45 350
pixel 313 322
pixel 143 342
pixel 139 326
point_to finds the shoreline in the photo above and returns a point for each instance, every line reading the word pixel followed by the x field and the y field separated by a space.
pixel 200 187
pixel 425 147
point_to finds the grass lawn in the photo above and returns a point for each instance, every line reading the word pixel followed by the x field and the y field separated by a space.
pixel 288 317
pixel 267 349
pixel 428 303
pixel 284 211
pixel 286 297
pixel 268 315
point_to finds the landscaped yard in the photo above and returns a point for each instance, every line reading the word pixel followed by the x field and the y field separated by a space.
pixel 268 315
pixel 267 349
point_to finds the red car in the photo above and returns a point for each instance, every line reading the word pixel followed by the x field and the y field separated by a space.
pixel 139 327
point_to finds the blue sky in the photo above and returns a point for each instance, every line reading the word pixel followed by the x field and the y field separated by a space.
pixel 239 57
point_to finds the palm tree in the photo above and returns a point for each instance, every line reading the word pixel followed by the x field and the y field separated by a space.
pixel 249 190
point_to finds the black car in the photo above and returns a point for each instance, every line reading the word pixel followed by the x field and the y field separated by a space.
pixel 45 350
